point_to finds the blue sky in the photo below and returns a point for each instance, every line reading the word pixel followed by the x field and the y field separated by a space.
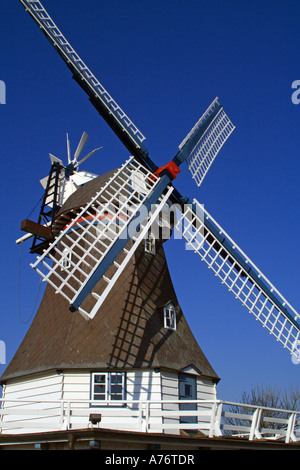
pixel 164 62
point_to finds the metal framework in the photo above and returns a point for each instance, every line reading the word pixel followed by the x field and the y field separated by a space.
pixel 50 204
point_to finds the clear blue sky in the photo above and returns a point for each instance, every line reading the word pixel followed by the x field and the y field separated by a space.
pixel 164 62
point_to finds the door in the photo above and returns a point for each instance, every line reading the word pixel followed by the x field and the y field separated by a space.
pixel 187 391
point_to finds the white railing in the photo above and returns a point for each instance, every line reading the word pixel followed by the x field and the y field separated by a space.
pixel 211 417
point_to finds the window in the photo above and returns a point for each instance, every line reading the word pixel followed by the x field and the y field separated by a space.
pixel 66 259
pixel 150 244
pixel 187 390
pixel 108 386
pixel 170 317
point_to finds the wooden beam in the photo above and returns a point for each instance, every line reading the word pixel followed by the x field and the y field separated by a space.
pixel 36 229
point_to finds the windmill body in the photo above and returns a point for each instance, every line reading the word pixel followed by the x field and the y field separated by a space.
pixel 137 347
pixel 110 329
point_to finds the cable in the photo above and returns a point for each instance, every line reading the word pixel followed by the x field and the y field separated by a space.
pixel 35 206
pixel 19 280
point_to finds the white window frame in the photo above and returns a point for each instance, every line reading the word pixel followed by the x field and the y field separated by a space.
pixel 66 259
pixel 107 387
pixel 170 317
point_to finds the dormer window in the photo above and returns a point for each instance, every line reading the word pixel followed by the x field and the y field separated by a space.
pixel 170 317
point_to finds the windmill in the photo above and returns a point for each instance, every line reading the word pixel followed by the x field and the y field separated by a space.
pixel 128 205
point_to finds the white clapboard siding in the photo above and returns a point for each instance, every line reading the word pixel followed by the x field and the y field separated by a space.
pixel 141 385
pixel 31 404
pixel 169 389
pixel 63 401
pixel 77 385
pixel 145 385
pixel 206 390
pixel 169 382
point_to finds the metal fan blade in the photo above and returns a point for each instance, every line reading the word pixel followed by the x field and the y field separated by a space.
pixel 80 146
pixel 68 149
pixel 240 275
pixel 55 160
pixel 100 232
pixel 44 181
pixel 203 143
pixel 86 157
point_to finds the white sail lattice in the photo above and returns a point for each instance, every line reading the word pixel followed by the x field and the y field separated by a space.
pixel 240 275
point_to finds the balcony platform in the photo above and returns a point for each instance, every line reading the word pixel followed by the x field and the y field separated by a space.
pixel 112 440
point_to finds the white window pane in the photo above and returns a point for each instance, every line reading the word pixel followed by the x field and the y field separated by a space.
pixel 170 317
pixel 108 386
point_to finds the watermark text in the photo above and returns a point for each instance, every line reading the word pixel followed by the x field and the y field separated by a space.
pixel 2 92
pixel 2 352
pixel 296 94
pixel 115 222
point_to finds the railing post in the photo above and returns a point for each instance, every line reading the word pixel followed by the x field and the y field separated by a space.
pixel 68 414
pixel 147 416
pixel 140 405
pixel 254 432
pixel 61 414
pixel 215 420
pixel 218 431
pixel 212 420
pixel 290 436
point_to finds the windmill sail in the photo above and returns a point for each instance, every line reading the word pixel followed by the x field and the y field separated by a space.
pixel 240 275
pixel 203 143
pixel 116 118
pixel 86 248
